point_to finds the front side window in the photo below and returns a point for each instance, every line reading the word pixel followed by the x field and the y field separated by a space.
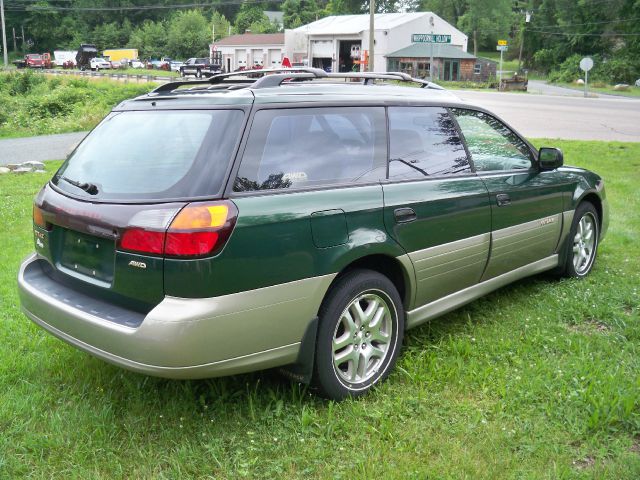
pixel 298 148
pixel 493 146
pixel 424 141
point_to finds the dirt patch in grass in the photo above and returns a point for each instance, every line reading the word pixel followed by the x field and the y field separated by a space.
pixel 589 327
pixel 584 463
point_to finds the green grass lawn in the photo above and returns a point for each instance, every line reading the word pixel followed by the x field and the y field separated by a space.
pixel 507 65
pixel 540 379
pixel 142 71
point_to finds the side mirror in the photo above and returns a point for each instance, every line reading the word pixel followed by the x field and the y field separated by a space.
pixel 550 158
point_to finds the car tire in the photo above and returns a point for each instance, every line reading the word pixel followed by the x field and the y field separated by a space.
pixel 582 242
pixel 359 335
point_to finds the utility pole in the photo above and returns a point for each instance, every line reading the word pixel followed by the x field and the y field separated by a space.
pixel 24 50
pixel 15 46
pixel 527 19
pixel 4 35
pixel 431 60
pixel 372 37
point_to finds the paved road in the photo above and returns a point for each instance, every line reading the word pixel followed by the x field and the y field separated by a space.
pixel 539 86
pixel 565 117
pixel 535 116
pixel 45 147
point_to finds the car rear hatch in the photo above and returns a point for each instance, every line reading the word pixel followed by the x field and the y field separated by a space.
pixel 134 192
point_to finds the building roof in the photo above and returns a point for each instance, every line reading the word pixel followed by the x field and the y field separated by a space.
pixel 253 39
pixel 423 50
pixel 354 24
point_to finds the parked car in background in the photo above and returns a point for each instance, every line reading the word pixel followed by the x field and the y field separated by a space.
pixel 297 224
pixel 175 65
pixel 136 64
pixel 162 64
pixel 99 63
pixel 199 67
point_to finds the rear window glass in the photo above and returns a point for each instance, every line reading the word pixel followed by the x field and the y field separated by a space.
pixel 153 156
pixel 309 147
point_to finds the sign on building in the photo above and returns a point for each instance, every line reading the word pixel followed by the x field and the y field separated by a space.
pixel 430 38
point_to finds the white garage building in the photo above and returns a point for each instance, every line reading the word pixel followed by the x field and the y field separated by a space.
pixel 338 42
pixel 251 50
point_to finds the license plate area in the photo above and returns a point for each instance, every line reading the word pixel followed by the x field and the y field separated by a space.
pixel 87 256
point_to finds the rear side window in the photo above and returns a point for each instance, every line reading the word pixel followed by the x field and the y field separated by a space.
pixel 297 148
pixel 153 155
pixel 424 141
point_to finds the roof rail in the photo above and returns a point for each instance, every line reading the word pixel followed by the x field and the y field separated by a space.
pixel 369 78
pixel 221 77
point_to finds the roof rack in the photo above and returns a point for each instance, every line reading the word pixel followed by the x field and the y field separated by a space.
pixel 274 77
pixel 369 78
pixel 294 72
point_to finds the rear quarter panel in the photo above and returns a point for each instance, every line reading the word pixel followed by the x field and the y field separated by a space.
pixel 273 243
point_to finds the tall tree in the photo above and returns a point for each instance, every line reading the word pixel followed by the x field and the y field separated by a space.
pixel 150 39
pixel 299 12
pixel 189 35
pixel 250 13
pixel 221 26
pixel 486 19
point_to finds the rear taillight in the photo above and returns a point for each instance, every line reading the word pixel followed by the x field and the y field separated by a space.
pixel 140 240
pixel 38 218
pixel 199 229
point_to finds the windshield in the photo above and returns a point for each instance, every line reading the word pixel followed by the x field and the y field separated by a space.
pixel 34 57
pixel 99 60
pixel 155 155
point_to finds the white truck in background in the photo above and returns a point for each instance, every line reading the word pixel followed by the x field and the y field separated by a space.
pixel 60 57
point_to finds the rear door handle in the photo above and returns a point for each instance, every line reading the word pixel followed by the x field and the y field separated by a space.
pixel 404 215
pixel 503 199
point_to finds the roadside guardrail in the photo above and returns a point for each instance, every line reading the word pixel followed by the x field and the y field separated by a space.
pixel 126 77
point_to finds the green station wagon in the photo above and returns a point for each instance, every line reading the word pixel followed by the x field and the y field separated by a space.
pixel 300 220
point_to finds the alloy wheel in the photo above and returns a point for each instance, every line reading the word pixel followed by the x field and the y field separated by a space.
pixel 362 338
pixel 584 244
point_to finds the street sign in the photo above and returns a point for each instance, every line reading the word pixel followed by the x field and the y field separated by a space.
pixel 502 42
pixel 430 38
pixel 502 48
pixel 586 64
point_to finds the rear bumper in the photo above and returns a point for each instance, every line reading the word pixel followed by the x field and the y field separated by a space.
pixel 181 337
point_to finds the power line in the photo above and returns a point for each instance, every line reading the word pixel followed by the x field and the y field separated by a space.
pixel 570 34
pixel 618 20
pixel 56 8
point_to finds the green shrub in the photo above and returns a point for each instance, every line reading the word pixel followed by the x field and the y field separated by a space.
pixel 568 71
pixel 33 104
pixel 608 71
pixel 20 83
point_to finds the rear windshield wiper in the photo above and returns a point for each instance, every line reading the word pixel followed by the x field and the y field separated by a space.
pixel 90 188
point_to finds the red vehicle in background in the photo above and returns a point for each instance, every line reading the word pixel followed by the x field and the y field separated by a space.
pixel 34 60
